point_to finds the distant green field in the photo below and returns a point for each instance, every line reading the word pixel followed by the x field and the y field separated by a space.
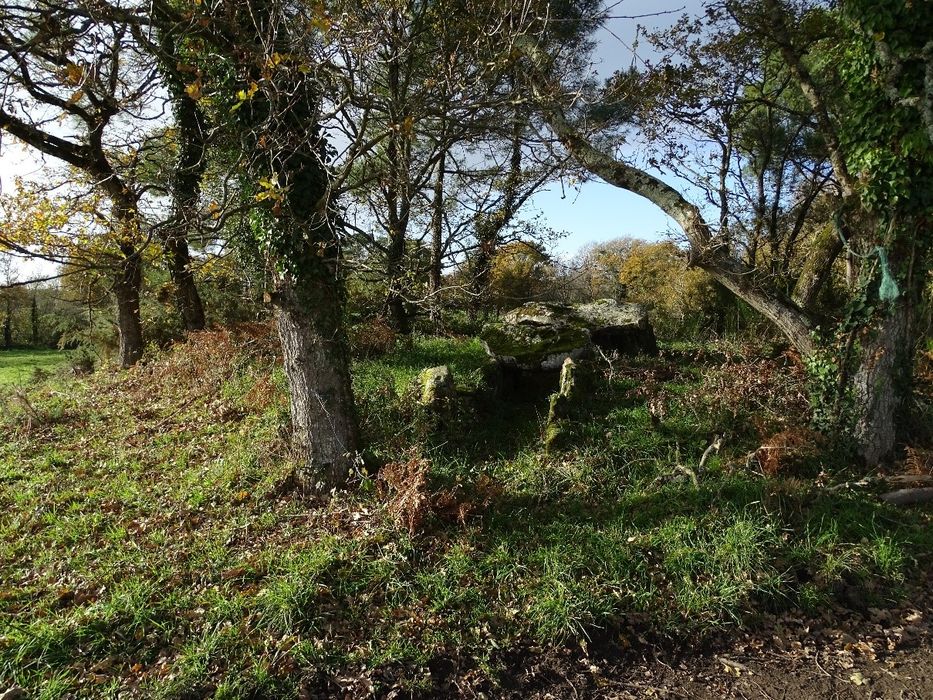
pixel 17 366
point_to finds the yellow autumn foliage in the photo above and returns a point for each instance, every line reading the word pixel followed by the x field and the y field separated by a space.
pixel 519 272
pixel 655 274
pixel 67 228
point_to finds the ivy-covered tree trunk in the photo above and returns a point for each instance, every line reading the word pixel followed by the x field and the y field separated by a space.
pixel 305 253
pixel 185 184
pixel 397 191
pixel 187 298
pixel 34 319
pixel 275 112
pixel 437 238
pixel 8 325
pixel 308 297
pixel 395 272
pixel 882 380
pixel 481 268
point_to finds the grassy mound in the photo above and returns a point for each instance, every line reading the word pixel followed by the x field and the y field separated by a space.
pixel 150 545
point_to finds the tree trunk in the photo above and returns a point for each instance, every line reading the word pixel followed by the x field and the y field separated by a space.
pixel 324 428
pixel 34 318
pixel 793 322
pixel 490 227
pixel 437 240
pixel 395 270
pixel 185 183
pixel 309 312
pixel 486 238
pixel 397 189
pixel 817 267
pixel 8 326
pixel 187 299
pixel 881 385
pixel 126 289
pixel 280 137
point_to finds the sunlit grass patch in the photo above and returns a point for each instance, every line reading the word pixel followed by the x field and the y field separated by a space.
pixel 151 546
pixel 18 367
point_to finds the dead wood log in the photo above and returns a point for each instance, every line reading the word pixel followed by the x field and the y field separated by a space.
pixel 906 497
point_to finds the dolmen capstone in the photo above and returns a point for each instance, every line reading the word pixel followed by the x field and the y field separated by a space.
pixel 540 335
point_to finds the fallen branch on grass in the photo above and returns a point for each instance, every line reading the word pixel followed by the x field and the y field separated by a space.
pixel 900 490
pixel 902 481
pixel 906 497
pixel 714 446
pixel 693 475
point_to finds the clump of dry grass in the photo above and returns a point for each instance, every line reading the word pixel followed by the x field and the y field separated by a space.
pixel 772 393
pixel 372 338
pixel 786 452
pixel 199 366
pixel 412 503
pixel 405 485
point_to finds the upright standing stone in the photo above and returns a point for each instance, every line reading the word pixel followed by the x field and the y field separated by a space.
pixel 560 408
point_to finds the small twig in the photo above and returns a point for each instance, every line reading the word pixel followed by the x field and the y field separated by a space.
pixel 733 664
pixel 816 659
pixel 32 414
pixel 715 446
pixel 609 361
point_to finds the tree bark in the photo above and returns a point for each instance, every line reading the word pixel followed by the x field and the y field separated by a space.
pixel 8 326
pixel 489 228
pixel 486 239
pixel 324 428
pixel 817 267
pixel 397 189
pixel 395 270
pixel 187 299
pixel 881 385
pixel 309 304
pixel 126 290
pixel 437 239
pixel 279 133
pixel 185 185
pixel 34 319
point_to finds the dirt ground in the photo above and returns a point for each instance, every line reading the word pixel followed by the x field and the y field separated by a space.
pixel 856 652
pixel 842 653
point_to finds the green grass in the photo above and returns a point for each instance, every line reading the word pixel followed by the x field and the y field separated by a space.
pixel 148 549
pixel 18 367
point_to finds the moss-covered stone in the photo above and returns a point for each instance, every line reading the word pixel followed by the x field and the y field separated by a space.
pixel 560 408
pixel 530 346
pixel 436 385
pixel 541 335
pixel 555 437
